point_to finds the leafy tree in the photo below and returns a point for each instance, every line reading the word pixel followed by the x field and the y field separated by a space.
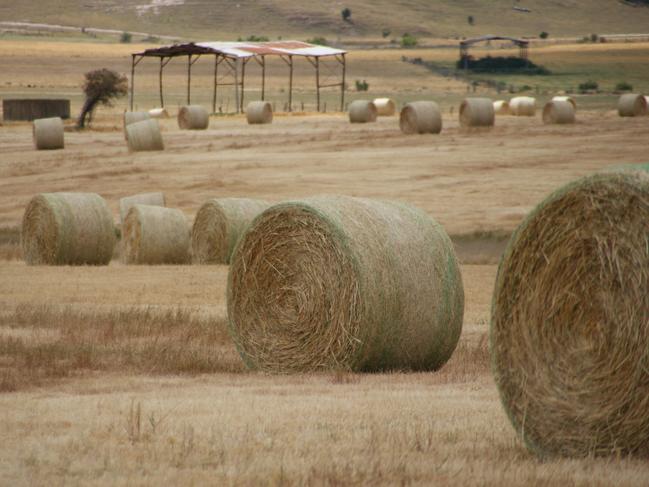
pixel 126 38
pixel 544 35
pixel 470 20
pixel 100 86
pixel 408 40
pixel 346 14
pixel 385 33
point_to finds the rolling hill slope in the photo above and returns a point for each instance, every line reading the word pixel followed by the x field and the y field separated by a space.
pixel 202 19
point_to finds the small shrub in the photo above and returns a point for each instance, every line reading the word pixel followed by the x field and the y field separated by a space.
pixel 470 20
pixel 623 86
pixel 594 38
pixel 320 41
pixel 408 40
pixel 386 33
pixel 126 37
pixel 346 14
pixel 362 85
pixel 254 38
pixel 589 85
pixel 544 35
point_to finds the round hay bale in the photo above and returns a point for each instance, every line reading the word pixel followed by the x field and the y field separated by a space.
pixel 259 112
pixel 132 117
pixel 522 106
pixel 155 235
pixel 569 99
pixel 558 112
pixel 218 226
pixel 501 107
pixel 193 117
pixel 421 117
pixel 344 283
pixel 144 136
pixel 48 133
pixel 569 334
pixel 158 113
pixel 67 229
pixel 152 199
pixel 632 105
pixel 477 112
pixel 385 107
pixel 362 111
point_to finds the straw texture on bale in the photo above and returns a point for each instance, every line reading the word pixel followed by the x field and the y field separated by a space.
pixel 132 117
pixel 68 229
pixel 362 111
pixel 218 226
pixel 144 136
pixel 48 133
pixel 385 107
pixel 421 117
pixel 569 99
pixel 259 112
pixel 501 107
pixel 632 105
pixel 155 235
pixel 522 106
pixel 477 112
pixel 193 117
pixel 158 113
pixel 559 112
pixel 569 334
pixel 345 283
pixel 152 199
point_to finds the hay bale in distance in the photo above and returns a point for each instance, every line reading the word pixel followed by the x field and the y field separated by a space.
pixel 522 106
pixel 569 99
pixel 501 107
pixel 345 283
pixel 158 113
pixel 144 136
pixel 632 105
pixel 259 112
pixel 48 133
pixel 155 235
pixel 569 330
pixel 362 111
pixel 67 229
pixel 421 117
pixel 477 112
pixel 218 226
pixel 193 117
pixel 385 107
pixel 558 112
pixel 152 199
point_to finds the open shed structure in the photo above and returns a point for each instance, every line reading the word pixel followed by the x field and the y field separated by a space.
pixel 233 57
pixel 467 43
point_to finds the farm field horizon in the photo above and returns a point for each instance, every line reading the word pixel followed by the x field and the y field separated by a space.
pixel 126 374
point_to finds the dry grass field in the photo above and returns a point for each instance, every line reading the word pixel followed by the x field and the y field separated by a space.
pixel 125 375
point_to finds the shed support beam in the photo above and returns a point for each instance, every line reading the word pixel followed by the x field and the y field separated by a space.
pixel 343 84
pixel 135 60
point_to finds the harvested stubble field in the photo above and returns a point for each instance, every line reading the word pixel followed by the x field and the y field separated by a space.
pixel 126 374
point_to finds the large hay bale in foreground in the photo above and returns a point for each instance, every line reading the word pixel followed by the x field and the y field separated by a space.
pixel 155 235
pixel 218 226
pixel 144 136
pixel 558 112
pixel 132 117
pixel 501 107
pixel 193 117
pixel 632 105
pixel 345 283
pixel 569 99
pixel 128 202
pixel 362 111
pixel 421 117
pixel 477 112
pixel 570 329
pixel 522 106
pixel 68 229
pixel 48 133
pixel 385 107
pixel 259 112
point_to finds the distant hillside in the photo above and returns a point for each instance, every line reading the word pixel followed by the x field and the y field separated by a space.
pixel 218 19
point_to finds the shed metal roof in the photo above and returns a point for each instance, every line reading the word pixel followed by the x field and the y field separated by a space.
pixel 244 49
